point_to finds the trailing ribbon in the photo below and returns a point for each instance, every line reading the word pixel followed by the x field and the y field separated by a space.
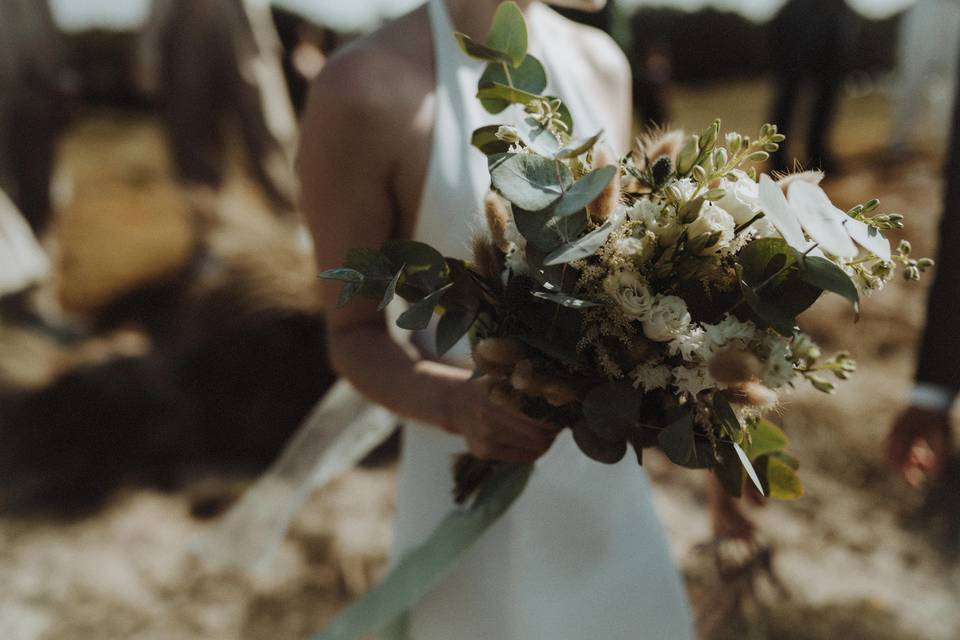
pixel 424 566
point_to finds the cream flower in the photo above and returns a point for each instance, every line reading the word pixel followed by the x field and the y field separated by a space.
pixel 638 249
pixel 778 369
pixel 713 219
pixel 630 292
pixel 729 329
pixel 692 380
pixel 651 376
pixel 742 197
pixel 645 210
pixel 667 319
pixel 693 346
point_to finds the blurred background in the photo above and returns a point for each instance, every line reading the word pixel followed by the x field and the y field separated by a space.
pixel 161 336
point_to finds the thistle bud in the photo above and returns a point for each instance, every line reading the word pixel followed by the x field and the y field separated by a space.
pixel 661 170
pixel 688 155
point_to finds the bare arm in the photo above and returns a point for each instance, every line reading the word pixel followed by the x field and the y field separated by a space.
pixel 351 141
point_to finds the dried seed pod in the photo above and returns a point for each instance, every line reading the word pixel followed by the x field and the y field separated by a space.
pixel 487 258
pixel 559 393
pixel 501 351
pixel 734 366
pixel 608 200
pixel 661 142
pixel 752 394
pixel 506 397
pixel 498 219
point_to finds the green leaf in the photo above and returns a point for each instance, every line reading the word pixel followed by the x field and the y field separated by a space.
pixel 372 264
pixel 485 139
pixel 824 274
pixel 677 440
pixel 564 300
pixel 577 147
pixel 730 472
pixel 580 248
pixel 765 437
pixel 545 231
pixel 497 91
pixel 343 274
pixel 781 321
pixel 781 479
pixel 422 568
pixel 453 325
pixel 751 472
pixel 584 191
pixel 390 291
pixel 529 77
pixel 480 51
pixel 597 448
pixel 725 413
pixel 418 316
pixel 426 268
pixel 761 258
pixel 538 138
pixel 611 410
pixel 508 33
pixel 349 290
pixel 531 182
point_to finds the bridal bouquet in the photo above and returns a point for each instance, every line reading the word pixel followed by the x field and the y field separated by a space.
pixel 649 301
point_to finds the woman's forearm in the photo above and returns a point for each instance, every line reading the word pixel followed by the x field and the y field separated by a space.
pixel 385 372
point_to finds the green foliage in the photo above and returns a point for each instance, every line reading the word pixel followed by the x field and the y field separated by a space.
pixel 564 300
pixel 597 448
pixel 529 77
pixel 581 247
pixel 611 410
pixel 508 33
pixel 528 181
pixel 453 325
pixel 505 93
pixel 780 478
pixel 677 440
pixel 765 437
pixel 584 191
pixel 479 51
pixel 578 147
pixel 827 276
pixel 418 316
pixel 485 139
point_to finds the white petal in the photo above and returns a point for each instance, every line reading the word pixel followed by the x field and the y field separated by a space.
pixel 869 238
pixel 821 220
pixel 781 214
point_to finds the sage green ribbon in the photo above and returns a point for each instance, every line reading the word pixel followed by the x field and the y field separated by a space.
pixel 424 566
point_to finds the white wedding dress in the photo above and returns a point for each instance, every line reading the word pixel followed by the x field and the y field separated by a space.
pixel 581 555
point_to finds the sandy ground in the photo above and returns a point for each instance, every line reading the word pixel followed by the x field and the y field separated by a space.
pixel 853 566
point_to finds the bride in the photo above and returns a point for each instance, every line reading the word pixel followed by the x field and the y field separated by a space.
pixel 385 154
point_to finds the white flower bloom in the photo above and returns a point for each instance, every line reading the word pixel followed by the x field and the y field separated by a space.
pixel 742 198
pixel 651 376
pixel 630 292
pixel 686 186
pixel 763 228
pixel 712 219
pixel 639 249
pixel 693 345
pixel 667 319
pixel 692 380
pixel 778 369
pixel 646 211
pixel 668 231
pixel 516 260
pixel 729 329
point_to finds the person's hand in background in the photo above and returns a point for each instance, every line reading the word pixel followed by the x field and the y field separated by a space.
pixel 919 444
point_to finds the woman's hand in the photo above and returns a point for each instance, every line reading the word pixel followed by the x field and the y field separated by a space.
pixel 488 415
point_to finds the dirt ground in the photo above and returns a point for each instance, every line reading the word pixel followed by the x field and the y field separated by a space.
pixel 856 561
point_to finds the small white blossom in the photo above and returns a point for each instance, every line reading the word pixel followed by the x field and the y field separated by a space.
pixel 686 186
pixel 631 293
pixel 729 329
pixel 638 249
pixel 646 211
pixel 712 219
pixel 693 345
pixel 692 380
pixel 651 376
pixel 742 197
pixel 667 319
pixel 778 369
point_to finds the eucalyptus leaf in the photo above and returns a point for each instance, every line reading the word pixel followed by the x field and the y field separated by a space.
pixel 597 448
pixel 418 316
pixel 480 51
pixel 531 182
pixel 781 479
pixel 730 472
pixel 748 467
pixel 578 147
pixel 485 139
pixel 765 437
pixel 529 77
pixel 725 413
pixel 497 91
pixel 677 440
pixel 539 138
pixel 453 325
pixel 349 290
pixel 425 267
pixel 611 409
pixel 390 291
pixel 781 321
pixel 343 274
pixel 584 191
pixel 824 274
pixel 508 33
pixel 581 248
pixel 545 231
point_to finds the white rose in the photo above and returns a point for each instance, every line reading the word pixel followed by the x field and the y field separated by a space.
pixel 712 219
pixel 667 319
pixel 742 198
pixel 630 292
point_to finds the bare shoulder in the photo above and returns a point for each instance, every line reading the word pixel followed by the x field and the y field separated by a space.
pixel 379 78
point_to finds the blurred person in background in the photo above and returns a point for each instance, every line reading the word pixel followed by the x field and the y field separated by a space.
pixel 810 39
pixel 208 61
pixel 926 54
pixel 920 441
pixel 34 80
